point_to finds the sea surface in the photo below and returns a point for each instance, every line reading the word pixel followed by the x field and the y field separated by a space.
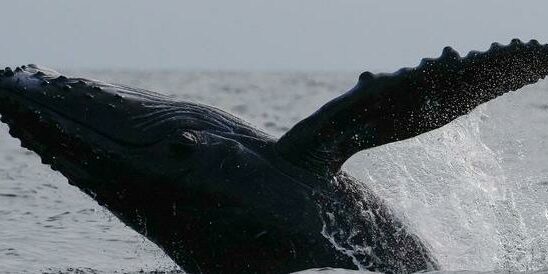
pixel 476 190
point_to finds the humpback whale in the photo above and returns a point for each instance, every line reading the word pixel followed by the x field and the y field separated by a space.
pixel 220 196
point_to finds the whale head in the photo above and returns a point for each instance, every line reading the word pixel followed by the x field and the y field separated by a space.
pixel 74 119
pixel 163 166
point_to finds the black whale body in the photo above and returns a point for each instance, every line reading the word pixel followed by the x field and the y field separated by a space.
pixel 219 196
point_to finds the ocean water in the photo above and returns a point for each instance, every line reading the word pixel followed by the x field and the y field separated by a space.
pixel 476 190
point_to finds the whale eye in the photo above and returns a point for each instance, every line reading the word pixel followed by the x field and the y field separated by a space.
pixel 183 144
pixel 188 137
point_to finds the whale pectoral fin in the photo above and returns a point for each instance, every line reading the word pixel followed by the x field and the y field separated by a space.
pixel 386 108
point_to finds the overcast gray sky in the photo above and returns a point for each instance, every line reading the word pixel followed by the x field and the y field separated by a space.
pixel 351 35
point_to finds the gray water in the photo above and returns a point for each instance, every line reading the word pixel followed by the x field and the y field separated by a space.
pixel 476 191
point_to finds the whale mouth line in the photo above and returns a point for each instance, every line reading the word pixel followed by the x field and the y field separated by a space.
pixel 32 104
